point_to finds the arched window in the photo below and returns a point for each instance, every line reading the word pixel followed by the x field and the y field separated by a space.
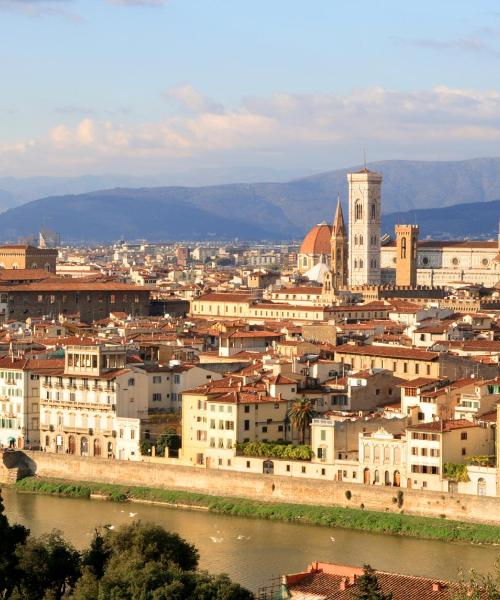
pixel 355 263
pixel 360 263
pixel 373 211
pixel 84 447
pixel 355 240
pixel 97 447
pixel 376 477
pixel 376 454
pixel 358 211
pixel 403 247
pixel 481 487
pixel 360 240
pixel 387 454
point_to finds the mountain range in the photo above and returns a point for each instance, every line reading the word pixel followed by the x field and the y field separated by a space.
pixel 453 199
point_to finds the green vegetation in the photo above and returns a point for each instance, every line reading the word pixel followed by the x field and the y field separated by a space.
pixel 369 587
pixel 301 414
pixel 363 520
pixel 168 439
pixel 475 586
pixel 455 472
pixel 135 562
pixel 487 460
pixel 276 450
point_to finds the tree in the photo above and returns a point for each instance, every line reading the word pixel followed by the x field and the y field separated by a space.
pixel 473 586
pixel 369 587
pixel 301 414
pixel 150 542
pixel 11 536
pixel 97 555
pixel 168 439
pixel 50 567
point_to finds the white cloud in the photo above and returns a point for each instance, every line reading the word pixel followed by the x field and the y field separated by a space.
pixel 310 130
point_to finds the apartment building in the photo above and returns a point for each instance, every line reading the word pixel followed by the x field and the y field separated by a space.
pixel 216 418
pixel 166 384
pixel 20 400
pixel 406 363
pixel 432 445
pixel 93 406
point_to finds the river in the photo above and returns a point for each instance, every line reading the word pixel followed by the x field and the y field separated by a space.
pixel 251 551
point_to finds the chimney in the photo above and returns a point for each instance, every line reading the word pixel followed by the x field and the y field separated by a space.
pixel 437 586
pixel 344 583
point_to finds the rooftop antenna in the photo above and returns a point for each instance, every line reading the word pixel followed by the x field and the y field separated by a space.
pixel 364 156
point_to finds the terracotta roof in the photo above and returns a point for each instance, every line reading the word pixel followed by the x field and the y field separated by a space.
pixel 70 285
pixel 324 581
pixel 418 382
pixel 443 425
pixel 20 274
pixel 318 240
pixel 225 297
pixel 387 351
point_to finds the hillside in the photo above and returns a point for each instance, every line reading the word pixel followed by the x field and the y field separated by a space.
pixel 411 189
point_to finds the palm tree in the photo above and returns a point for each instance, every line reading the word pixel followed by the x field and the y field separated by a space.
pixel 301 414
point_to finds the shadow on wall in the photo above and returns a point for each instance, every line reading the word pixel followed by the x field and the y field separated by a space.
pixel 16 459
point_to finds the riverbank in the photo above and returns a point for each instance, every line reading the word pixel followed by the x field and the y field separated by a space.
pixel 346 518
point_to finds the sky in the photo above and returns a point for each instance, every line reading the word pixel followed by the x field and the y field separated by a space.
pixel 141 87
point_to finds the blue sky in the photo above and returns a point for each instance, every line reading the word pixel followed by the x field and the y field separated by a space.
pixel 139 87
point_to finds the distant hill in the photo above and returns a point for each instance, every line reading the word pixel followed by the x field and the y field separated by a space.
pixel 411 190
pixel 477 220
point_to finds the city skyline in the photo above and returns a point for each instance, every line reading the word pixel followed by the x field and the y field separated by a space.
pixel 143 87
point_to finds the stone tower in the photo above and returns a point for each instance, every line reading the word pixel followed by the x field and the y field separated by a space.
pixel 339 253
pixel 406 255
pixel 364 227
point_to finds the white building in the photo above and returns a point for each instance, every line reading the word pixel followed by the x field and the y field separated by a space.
pixel 93 406
pixel 364 227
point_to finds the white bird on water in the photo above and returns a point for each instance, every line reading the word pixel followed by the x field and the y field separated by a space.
pixel 332 538
pixel 110 527
pixel 216 540
pixel 131 514
pixel 242 537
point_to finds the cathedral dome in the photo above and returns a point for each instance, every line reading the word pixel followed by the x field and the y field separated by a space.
pixel 317 241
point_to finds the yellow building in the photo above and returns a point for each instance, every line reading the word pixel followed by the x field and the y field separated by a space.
pixel 406 363
pixel 216 418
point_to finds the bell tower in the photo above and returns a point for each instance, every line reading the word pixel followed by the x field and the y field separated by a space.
pixel 339 253
pixel 406 255
pixel 364 227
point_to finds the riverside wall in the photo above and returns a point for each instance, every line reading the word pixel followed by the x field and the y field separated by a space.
pixel 268 488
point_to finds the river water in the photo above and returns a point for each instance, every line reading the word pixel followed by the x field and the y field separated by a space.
pixel 251 551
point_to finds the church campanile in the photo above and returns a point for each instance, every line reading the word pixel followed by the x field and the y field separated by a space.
pixel 338 262
pixel 364 227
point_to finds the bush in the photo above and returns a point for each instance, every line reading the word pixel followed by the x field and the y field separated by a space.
pixel 400 498
pixel 276 450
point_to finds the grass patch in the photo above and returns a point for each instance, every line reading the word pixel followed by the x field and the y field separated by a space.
pixel 347 518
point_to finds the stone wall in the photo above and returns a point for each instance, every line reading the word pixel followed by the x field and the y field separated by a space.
pixel 269 488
